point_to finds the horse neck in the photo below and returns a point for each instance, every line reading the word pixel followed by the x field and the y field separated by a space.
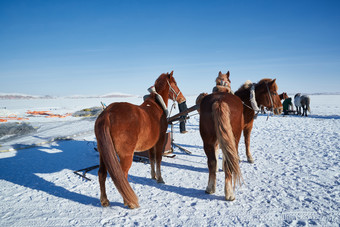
pixel 165 94
pixel 281 96
pixel 248 113
pixel 244 95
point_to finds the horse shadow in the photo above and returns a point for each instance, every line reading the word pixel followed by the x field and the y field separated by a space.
pixel 188 192
pixel 323 117
pixel 22 169
pixel 186 167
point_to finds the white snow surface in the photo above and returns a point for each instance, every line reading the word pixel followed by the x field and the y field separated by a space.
pixel 293 182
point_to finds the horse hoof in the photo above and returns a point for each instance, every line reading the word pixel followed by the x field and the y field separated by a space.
pixel 133 206
pixel 209 191
pixel 105 203
pixel 250 160
pixel 230 198
pixel 160 181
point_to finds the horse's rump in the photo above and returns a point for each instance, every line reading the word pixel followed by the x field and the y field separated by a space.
pixel 305 101
pixel 109 157
pixel 226 139
pixel 222 119
pixel 133 125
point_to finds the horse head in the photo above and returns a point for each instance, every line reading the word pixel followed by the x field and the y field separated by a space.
pixel 266 95
pixel 223 79
pixel 284 96
pixel 175 93
pixel 167 87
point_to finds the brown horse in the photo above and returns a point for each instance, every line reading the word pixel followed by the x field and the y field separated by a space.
pixel 123 128
pixel 223 118
pixel 283 96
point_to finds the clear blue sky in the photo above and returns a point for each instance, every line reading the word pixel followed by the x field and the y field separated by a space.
pixel 68 47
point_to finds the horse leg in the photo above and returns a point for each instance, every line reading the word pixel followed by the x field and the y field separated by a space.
pixel 152 163
pixel 102 174
pixel 246 133
pixel 159 152
pixel 212 163
pixel 216 154
pixel 228 189
pixel 125 164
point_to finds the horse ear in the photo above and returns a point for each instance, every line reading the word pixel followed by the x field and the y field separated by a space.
pixel 219 73
pixel 272 82
pixel 228 74
pixel 171 74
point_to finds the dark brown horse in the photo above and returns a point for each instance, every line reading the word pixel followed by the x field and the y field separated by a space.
pixel 223 118
pixel 283 96
pixel 123 128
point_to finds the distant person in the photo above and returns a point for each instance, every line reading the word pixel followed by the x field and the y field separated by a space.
pixel 182 107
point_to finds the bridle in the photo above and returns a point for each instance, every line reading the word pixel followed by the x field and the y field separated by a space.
pixel 174 94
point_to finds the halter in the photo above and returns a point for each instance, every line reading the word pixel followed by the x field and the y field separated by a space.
pixel 175 95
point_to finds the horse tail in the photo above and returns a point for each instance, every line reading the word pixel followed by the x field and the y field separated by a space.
pixel 308 104
pixel 226 140
pixel 109 156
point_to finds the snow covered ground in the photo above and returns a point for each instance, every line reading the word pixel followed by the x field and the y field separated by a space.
pixel 295 180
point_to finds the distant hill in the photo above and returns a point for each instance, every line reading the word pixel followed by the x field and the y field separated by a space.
pixel 25 96
pixel 22 96
pixel 110 95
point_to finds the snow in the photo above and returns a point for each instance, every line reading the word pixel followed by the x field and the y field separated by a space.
pixel 293 182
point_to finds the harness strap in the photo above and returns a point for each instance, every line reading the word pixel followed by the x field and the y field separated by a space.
pixel 252 98
pixel 159 98
pixel 270 96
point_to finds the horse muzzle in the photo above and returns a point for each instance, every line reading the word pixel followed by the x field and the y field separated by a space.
pixel 278 110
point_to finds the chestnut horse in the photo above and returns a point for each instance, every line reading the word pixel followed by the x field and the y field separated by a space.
pixel 123 128
pixel 223 118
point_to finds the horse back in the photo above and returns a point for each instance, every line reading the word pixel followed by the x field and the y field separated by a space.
pixel 136 126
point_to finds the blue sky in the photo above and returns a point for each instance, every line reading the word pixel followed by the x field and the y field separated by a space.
pixel 69 47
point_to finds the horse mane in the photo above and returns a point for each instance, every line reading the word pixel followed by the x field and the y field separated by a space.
pixel 245 86
pixel 248 84
pixel 160 83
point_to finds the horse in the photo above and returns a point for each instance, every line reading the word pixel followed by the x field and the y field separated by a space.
pixel 302 101
pixel 222 83
pixel 223 117
pixel 123 128
pixel 283 96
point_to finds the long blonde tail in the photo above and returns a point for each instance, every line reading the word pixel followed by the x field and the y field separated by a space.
pixel 109 155
pixel 226 140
